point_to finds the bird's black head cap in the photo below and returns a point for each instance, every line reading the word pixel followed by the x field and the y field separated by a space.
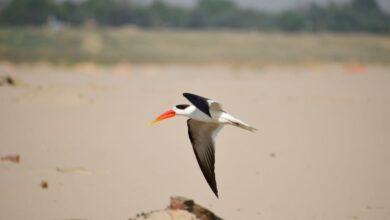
pixel 182 106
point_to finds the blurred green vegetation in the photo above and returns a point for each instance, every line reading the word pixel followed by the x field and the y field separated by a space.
pixel 356 16
pixel 129 44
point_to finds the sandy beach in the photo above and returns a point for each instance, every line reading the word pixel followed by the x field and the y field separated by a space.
pixel 322 150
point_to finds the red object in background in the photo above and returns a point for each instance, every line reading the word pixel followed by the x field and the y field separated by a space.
pixel 355 68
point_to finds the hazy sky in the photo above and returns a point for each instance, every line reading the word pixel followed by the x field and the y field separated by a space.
pixel 274 5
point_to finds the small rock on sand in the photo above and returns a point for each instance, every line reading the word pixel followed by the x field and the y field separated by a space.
pixel 180 208
pixel 44 184
pixel 11 158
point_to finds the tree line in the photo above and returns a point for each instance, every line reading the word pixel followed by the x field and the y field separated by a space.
pixel 356 16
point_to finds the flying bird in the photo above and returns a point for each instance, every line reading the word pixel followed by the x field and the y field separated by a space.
pixel 206 119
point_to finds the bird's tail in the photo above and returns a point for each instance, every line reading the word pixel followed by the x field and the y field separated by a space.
pixel 238 123
pixel 246 127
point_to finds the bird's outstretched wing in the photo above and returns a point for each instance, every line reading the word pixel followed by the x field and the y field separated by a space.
pixel 202 136
pixel 203 104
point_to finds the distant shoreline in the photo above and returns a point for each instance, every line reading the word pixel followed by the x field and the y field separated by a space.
pixel 110 46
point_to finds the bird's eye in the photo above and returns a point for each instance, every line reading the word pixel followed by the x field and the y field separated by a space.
pixel 182 107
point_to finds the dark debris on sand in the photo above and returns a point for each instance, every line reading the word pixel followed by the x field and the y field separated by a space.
pixel 7 81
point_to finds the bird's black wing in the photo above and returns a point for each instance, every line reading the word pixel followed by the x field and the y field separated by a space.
pixel 202 136
pixel 200 102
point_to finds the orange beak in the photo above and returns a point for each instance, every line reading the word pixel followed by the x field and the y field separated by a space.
pixel 165 115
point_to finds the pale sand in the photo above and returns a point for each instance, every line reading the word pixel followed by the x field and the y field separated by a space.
pixel 322 150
